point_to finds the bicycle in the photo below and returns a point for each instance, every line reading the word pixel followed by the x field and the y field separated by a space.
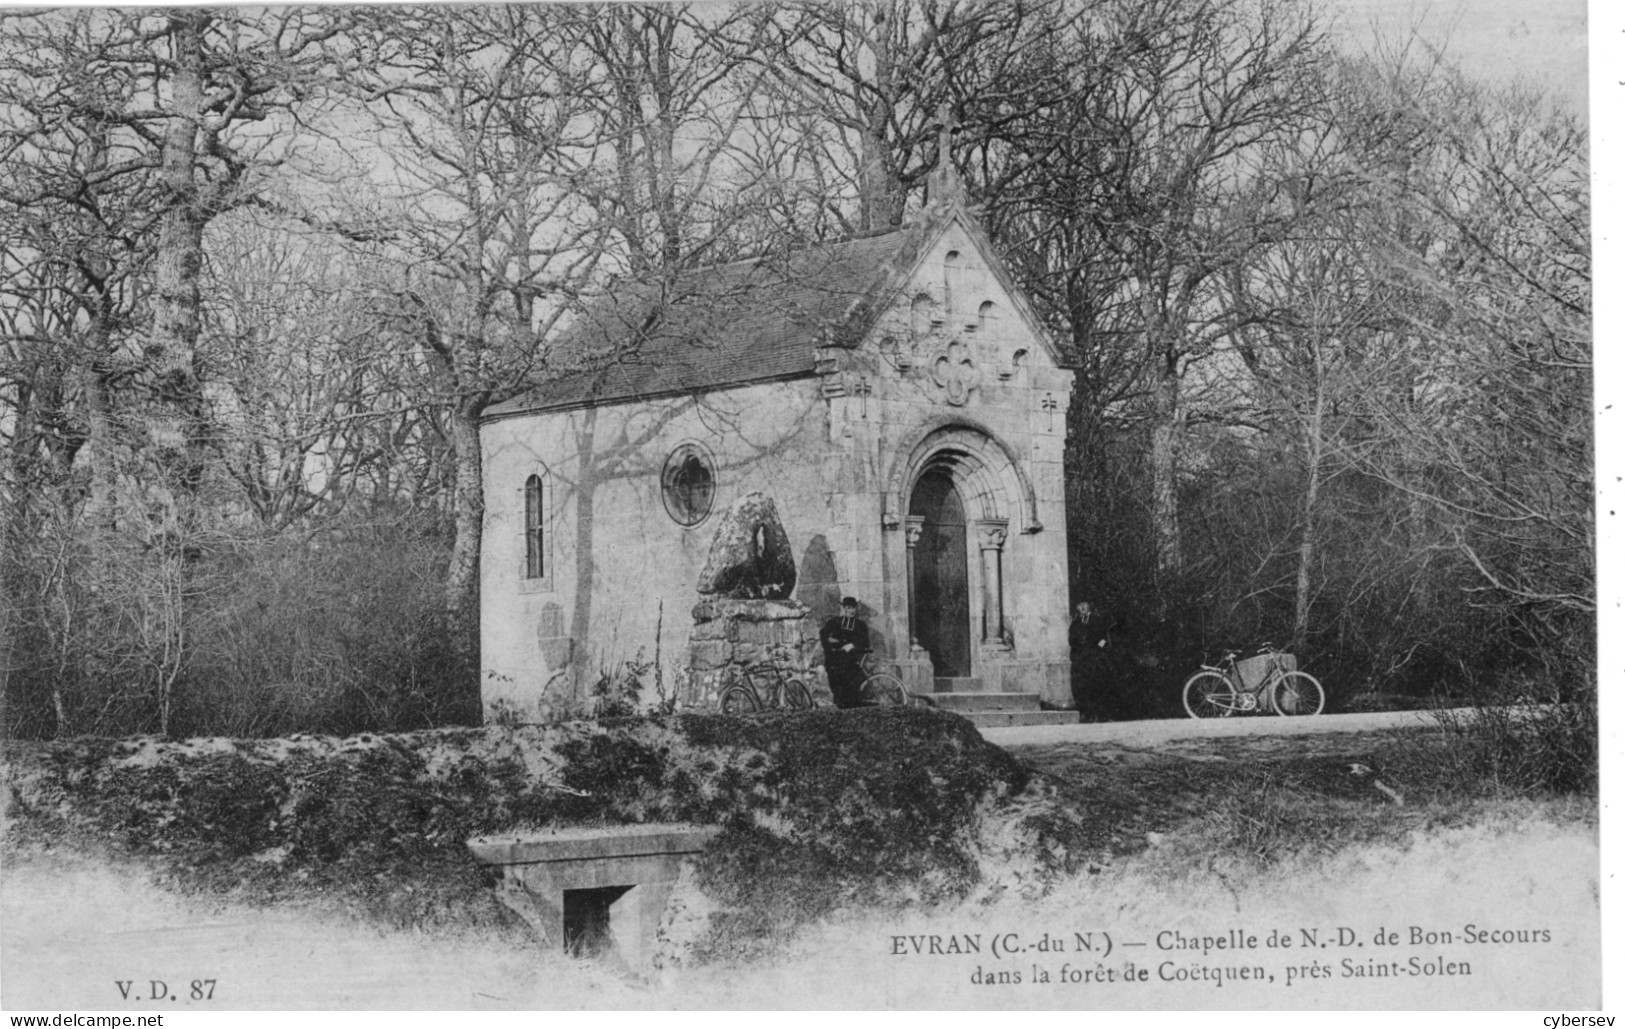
pixel 741 695
pixel 1219 691
pixel 881 689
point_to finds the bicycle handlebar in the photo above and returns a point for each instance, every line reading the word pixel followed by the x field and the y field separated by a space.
pixel 1263 648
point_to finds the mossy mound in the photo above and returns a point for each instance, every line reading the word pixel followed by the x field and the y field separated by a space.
pixel 821 811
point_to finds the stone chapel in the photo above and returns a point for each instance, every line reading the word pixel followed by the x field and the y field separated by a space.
pixel 895 397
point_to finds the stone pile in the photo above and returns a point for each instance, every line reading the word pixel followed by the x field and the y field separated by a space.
pixel 745 617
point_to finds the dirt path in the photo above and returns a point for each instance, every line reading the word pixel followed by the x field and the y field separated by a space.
pixel 1175 729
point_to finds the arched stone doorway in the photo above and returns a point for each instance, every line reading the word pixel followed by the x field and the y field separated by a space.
pixel 962 496
pixel 941 574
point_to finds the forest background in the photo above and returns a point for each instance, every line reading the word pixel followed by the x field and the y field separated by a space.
pixel 1329 303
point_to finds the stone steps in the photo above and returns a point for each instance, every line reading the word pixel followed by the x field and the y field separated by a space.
pixel 1007 719
pixel 988 710
pixel 963 702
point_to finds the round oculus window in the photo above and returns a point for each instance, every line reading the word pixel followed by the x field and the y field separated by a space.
pixel 688 485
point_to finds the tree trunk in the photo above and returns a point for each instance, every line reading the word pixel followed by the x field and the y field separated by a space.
pixel 588 477
pixel 177 398
pixel 880 191
pixel 880 202
pixel 1314 457
pixel 101 504
pixel 662 145
pixel 1306 554
pixel 175 411
pixel 1167 442
pixel 468 517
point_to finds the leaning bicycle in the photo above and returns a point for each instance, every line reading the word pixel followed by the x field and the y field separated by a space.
pixel 880 689
pixel 763 687
pixel 1267 682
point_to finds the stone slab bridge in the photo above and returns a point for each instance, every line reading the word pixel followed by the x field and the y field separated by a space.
pixel 597 892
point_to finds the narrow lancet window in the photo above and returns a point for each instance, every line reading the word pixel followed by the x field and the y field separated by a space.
pixel 535 565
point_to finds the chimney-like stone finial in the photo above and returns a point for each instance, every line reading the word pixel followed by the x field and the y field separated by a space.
pixel 945 184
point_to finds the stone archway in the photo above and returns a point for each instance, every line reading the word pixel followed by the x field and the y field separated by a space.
pixel 959 491
pixel 993 483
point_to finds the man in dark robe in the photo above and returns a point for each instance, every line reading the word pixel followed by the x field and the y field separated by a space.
pixel 1088 634
pixel 1089 639
pixel 846 639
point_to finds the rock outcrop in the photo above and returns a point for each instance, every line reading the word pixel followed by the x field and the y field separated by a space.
pixel 750 555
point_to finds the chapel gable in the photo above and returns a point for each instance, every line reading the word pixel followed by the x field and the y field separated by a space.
pixel 951 327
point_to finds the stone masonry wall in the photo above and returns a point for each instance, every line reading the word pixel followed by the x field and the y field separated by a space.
pixel 731 635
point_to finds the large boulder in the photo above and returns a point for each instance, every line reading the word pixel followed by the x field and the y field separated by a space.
pixel 750 555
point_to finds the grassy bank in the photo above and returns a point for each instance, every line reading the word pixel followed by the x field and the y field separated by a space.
pixel 70 925
pixel 824 815
pixel 820 811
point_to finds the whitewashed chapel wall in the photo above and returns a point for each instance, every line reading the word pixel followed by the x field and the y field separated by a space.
pixel 833 450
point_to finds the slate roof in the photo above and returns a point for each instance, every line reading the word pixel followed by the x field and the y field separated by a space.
pixel 751 321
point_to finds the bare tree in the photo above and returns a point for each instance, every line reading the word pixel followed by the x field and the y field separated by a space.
pixel 485 115
pixel 1155 186
pixel 125 134
pixel 676 88
pixel 1496 429
pixel 1426 336
pixel 877 75
pixel 306 396
pixel 1310 347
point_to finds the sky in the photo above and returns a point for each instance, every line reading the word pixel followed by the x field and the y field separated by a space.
pixel 1541 41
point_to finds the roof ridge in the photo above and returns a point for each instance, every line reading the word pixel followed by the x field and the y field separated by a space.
pixel 755 319
pixel 806 247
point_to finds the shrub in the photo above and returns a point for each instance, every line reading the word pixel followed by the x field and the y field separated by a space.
pixel 339 630
pixel 618 692
pixel 1523 749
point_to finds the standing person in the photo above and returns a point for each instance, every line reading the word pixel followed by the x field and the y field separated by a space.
pixel 1087 638
pixel 846 639
pixel 1087 635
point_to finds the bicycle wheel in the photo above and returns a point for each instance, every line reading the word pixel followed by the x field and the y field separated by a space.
pixel 1209 695
pixel 1297 693
pixel 882 690
pixel 796 695
pixel 738 700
